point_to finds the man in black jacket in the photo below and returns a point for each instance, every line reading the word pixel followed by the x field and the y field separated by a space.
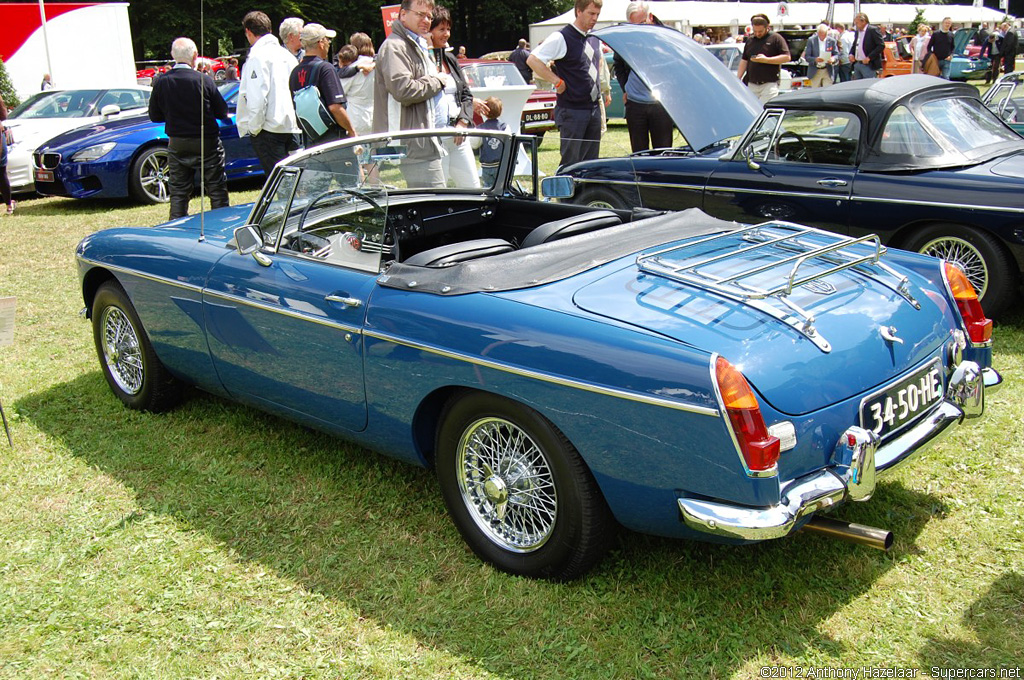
pixel 866 52
pixel 941 45
pixel 189 104
pixel 1008 49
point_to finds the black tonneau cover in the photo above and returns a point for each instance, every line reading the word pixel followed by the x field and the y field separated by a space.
pixel 553 261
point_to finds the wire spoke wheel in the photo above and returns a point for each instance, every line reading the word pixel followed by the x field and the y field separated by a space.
pixel 507 484
pixel 964 255
pixel 517 489
pixel 121 350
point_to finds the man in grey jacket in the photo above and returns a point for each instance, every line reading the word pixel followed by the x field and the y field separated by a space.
pixel 406 84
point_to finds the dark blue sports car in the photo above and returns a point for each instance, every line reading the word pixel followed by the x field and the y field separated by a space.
pixel 564 369
pixel 918 160
pixel 127 157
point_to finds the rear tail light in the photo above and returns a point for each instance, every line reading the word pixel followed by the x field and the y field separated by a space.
pixel 979 328
pixel 760 450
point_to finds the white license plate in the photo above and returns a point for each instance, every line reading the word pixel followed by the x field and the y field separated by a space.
pixel 897 404
pixel 44 175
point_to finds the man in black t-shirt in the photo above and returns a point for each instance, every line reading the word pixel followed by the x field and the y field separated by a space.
pixel 763 54
pixel 314 70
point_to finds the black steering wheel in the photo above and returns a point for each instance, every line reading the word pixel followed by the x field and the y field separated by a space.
pixel 803 147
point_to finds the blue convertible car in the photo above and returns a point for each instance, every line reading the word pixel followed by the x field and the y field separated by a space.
pixel 565 370
pixel 917 160
pixel 128 157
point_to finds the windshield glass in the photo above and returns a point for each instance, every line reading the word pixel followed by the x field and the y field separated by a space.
pixel 61 104
pixel 498 74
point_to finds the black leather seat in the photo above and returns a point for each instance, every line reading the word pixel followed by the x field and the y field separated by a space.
pixel 570 226
pixel 454 253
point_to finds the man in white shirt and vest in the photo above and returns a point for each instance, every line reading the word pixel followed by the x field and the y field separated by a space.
pixel 577 56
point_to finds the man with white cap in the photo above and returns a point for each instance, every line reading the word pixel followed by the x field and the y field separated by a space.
pixel 314 70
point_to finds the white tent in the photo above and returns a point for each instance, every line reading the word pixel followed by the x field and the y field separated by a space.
pixel 734 16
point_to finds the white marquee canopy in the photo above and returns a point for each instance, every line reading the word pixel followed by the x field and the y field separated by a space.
pixel 734 16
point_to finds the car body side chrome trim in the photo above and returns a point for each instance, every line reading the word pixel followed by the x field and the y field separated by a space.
pixel 348 328
pixel 147 277
pixel 546 377
pixel 869 199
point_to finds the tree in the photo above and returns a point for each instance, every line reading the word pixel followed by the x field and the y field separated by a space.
pixel 918 20
pixel 7 90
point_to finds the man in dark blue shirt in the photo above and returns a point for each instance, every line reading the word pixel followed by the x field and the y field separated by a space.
pixel 189 104
pixel 313 70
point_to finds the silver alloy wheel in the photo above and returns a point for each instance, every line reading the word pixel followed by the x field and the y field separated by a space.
pixel 964 255
pixel 155 177
pixel 507 485
pixel 598 203
pixel 121 350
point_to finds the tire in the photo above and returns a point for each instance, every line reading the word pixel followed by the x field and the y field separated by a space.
pixel 529 506
pixel 149 179
pixel 988 266
pixel 126 355
pixel 598 197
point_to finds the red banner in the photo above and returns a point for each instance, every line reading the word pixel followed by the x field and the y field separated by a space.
pixel 390 13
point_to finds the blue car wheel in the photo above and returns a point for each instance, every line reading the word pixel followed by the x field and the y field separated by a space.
pixel 129 363
pixel 149 181
pixel 518 491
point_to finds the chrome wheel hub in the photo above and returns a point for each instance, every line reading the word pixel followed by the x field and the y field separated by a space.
pixel 506 484
pixel 121 350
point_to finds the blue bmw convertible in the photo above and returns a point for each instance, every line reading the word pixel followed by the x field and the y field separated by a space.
pixel 128 157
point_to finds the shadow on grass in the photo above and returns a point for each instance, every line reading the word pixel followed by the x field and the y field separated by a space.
pixel 372 533
pixel 997 619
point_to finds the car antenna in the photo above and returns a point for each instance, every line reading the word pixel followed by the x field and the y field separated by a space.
pixel 202 136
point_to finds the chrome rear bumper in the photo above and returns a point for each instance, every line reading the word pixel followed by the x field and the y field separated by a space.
pixel 856 459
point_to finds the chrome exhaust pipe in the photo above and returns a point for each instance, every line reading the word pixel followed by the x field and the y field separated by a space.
pixel 872 537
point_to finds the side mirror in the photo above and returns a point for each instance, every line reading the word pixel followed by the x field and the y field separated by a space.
pixel 558 186
pixel 110 110
pixel 249 241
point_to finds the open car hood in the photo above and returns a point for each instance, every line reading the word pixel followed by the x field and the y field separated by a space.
pixel 704 98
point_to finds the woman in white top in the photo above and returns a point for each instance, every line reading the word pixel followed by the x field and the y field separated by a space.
pixel 455 104
pixel 919 47
pixel 359 86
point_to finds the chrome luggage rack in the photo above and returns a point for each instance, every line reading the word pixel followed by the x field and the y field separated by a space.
pixel 773 297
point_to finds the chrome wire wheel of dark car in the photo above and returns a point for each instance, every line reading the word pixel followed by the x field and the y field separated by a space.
pixel 599 197
pixel 981 258
pixel 129 363
pixel 149 181
pixel 518 491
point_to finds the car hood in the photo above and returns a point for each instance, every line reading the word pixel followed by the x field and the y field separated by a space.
pixel 35 131
pixel 99 132
pixel 850 310
pixel 704 98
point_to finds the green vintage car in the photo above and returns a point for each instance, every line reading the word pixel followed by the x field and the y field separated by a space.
pixel 1006 100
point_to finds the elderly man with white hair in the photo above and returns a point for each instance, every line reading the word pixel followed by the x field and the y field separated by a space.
pixel 648 123
pixel 289 31
pixel 821 55
pixel 189 104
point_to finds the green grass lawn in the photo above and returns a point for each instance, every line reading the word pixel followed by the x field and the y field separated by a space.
pixel 219 542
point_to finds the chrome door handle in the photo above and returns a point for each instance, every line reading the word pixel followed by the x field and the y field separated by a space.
pixel 830 182
pixel 347 301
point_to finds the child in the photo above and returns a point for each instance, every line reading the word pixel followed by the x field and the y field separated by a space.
pixel 490 150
